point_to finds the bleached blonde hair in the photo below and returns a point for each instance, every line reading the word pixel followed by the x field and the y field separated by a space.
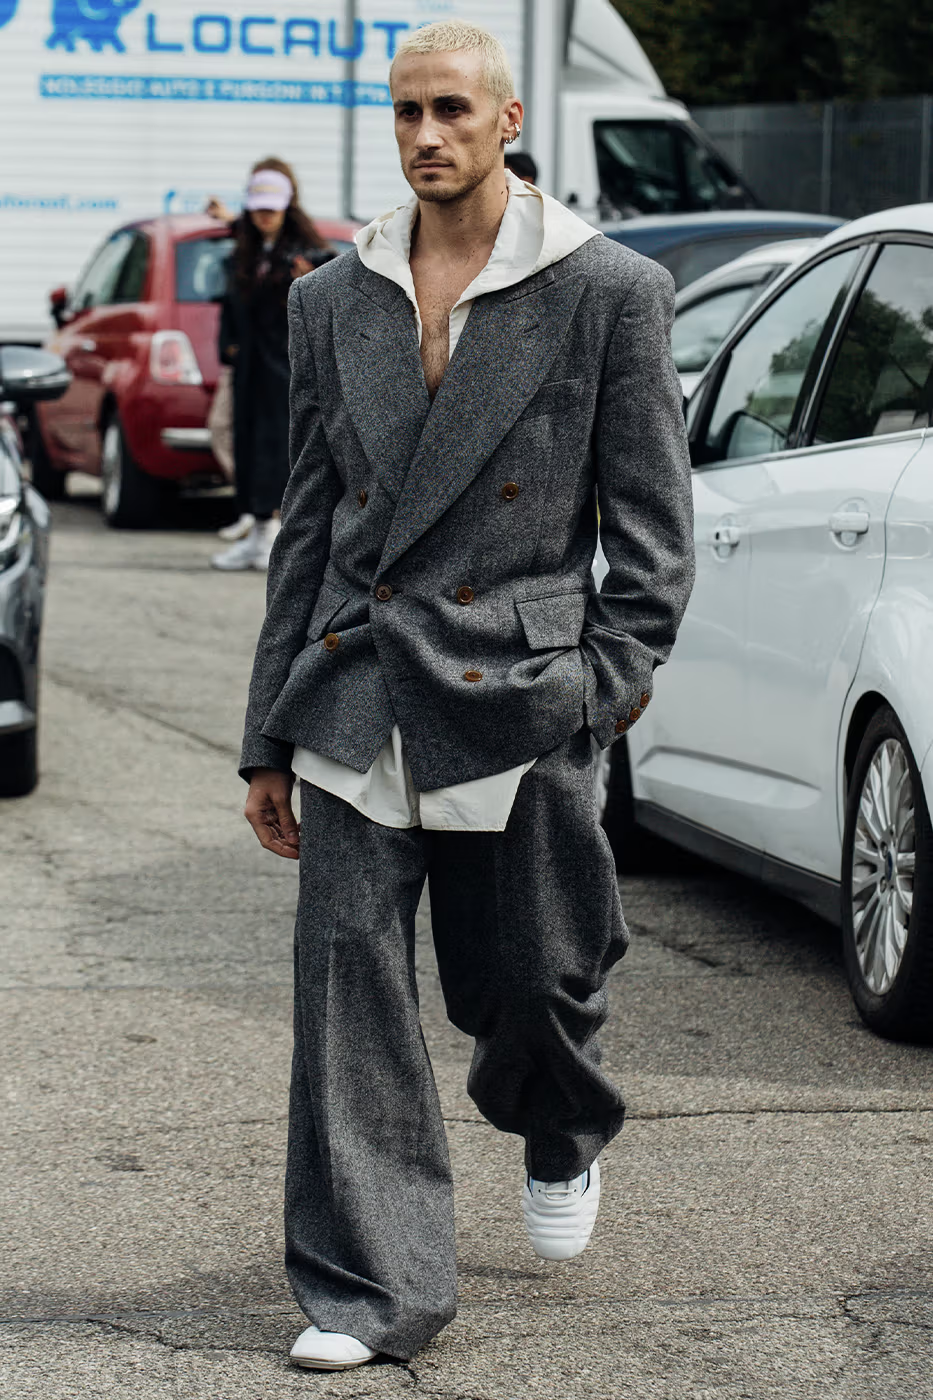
pixel 456 35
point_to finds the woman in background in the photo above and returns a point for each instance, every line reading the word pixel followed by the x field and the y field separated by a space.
pixel 276 242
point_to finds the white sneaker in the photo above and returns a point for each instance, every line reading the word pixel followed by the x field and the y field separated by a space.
pixel 268 529
pixel 238 530
pixel 242 555
pixel 560 1215
pixel 329 1351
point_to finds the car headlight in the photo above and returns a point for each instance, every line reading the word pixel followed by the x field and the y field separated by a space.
pixel 12 533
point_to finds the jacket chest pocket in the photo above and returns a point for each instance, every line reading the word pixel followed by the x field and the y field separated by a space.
pixel 329 603
pixel 556 396
pixel 553 621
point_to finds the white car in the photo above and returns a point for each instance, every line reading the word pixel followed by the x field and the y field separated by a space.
pixel 707 309
pixel 791 734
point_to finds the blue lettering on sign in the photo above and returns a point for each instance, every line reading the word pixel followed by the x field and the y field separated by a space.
pixel 7 11
pixel 301 91
pixel 246 44
pixel 218 45
pixel 215 33
pixel 295 37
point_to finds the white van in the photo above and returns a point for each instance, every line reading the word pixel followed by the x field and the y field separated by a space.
pixel 121 109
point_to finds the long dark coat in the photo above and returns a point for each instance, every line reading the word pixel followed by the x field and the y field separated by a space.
pixel 254 340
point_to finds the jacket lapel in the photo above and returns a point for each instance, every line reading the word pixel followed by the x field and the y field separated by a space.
pixel 507 347
pixel 379 364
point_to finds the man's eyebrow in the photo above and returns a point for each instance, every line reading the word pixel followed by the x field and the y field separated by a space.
pixel 451 97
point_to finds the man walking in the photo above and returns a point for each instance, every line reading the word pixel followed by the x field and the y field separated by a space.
pixel 432 665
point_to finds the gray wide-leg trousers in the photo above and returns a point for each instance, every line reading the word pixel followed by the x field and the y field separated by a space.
pixel 527 924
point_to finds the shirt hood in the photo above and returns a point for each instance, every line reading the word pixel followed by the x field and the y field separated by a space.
pixel 536 232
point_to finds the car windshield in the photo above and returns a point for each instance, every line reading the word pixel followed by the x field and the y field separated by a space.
pixel 661 168
pixel 200 268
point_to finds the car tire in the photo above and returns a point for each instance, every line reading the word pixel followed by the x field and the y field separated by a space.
pixel 46 478
pixel 131 499
pixel 19 763
pixel 887 886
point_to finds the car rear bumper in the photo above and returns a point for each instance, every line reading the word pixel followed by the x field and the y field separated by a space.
pixel 166 431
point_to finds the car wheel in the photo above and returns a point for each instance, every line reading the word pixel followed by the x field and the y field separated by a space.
pixel 887 900
pixel 131 499
pixel 19 763
pixel 46 478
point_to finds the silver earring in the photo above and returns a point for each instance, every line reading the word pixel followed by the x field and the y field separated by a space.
pixel 509 139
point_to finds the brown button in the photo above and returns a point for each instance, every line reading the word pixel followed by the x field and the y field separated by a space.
pixel 621 726
pixel 634 714
pixel 472 675
pixel 383 592
pixel 362 498
pixel 331 641
pixel 509 491
pixel 643 702
pixel 465 594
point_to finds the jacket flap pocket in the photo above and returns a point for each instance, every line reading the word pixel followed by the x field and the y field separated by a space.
pixel 554 621
pixel 557 396
pixel 328 605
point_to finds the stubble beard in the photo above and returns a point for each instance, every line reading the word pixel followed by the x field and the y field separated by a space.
pixel 444 193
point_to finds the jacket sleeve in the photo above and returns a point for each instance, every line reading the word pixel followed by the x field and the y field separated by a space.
pixel 646 510
pixel 299 554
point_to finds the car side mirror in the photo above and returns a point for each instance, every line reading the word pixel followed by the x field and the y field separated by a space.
pixel 58 305
pixel 28 375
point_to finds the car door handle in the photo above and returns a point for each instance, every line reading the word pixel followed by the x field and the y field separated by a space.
pixel 850 522
pixel 726 537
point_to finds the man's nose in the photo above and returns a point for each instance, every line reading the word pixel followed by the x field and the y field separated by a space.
pixel 428 137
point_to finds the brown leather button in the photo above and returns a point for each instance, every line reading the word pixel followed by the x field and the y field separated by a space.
pixel 634 713
pixel 509 491
pixel 362 498
pixel 643 702
pixel 331 641
pixel 472 675
pixel 465 594
pixel 621 726
pixel 383 592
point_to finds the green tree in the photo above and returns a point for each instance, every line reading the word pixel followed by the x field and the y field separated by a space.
pixel 721 51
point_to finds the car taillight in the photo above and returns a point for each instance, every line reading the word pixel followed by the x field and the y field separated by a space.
pixel 172 359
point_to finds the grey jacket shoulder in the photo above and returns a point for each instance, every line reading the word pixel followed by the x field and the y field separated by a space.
pixel 616 269
pixel 323 282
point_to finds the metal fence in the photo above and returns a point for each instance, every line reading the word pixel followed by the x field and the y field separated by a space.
pixel 843 158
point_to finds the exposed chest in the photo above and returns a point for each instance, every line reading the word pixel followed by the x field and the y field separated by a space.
pixel 438 289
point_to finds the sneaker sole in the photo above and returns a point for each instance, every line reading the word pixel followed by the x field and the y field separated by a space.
pixel 308 1365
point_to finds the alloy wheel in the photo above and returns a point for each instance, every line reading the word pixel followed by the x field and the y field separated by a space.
pixel 111 469
pixel 883 865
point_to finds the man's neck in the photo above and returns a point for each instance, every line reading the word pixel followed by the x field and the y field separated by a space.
pixel 460 228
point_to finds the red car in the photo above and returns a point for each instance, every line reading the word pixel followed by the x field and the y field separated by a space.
pixel 139 335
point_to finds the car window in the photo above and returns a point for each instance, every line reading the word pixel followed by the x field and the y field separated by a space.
pixel 99 279
pixel 132 277
pixel 882 381
pixel 638 167
pixel 699 330
pixel 689 261
pixel 767 368
pixel 710 182
pixel 201 268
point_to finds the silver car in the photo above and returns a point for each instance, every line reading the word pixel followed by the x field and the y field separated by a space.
pixel 26 375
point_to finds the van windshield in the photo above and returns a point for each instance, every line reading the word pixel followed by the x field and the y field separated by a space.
pixel 201 268
pixel 662 168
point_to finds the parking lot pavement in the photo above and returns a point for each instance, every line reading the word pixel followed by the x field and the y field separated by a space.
pixel 766 1228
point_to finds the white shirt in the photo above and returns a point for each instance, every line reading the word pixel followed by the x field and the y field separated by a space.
pixel 535 232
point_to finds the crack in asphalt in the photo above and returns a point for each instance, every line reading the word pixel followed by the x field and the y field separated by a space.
pixel 122 705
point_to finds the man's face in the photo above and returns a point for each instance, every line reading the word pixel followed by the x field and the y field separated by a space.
pixel 449 129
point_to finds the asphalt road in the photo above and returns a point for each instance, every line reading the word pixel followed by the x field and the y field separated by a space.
pixel 766 1227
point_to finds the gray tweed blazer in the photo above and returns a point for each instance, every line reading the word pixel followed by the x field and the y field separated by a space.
pixel 433 568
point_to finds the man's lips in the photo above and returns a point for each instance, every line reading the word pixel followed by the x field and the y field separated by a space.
pixel 432 165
